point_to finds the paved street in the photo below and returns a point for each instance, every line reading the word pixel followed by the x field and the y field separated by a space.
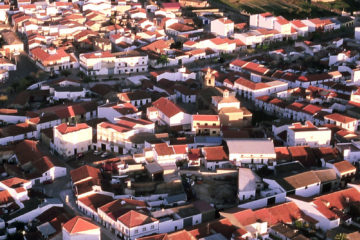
pixel 61 188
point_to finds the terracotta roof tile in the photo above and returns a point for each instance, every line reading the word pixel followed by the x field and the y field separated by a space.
pixel 79 224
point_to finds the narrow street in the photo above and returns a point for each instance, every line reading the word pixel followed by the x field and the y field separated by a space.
pixel 61 188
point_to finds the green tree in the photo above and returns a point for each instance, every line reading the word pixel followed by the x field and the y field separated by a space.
pixel 24 83
pixel 65 72
pixel 15 86
pixel 163 60
pixel 341 236
pixel 298 224
pixel 87 79
pixel 81 74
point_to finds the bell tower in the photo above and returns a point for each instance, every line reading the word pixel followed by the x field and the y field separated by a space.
pixel 209 78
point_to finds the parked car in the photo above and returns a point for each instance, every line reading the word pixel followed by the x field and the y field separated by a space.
pixel 47 182
pixel 97 153
pixel 105 154
pixel 80 155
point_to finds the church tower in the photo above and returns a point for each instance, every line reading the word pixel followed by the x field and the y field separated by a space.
pixel 209 78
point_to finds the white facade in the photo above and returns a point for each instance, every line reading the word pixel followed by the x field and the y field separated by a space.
pixel 246 152
pixel 131 233
pixel 223 27
pixel 308 134
pixel 357 33
pixel 71 95
pixel 310 209
pixel 71 143
pixel 111 112
pixel 181 75
pixel 254 90
pixel 131 63
pixel 180 118
pixel 14 119
pixel 85 235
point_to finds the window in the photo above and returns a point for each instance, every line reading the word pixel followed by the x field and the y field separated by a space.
pixel 152 227
pixel 136 231
pixel 144 229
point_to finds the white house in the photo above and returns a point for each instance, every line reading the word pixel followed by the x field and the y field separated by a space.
pixel 215 157
pixel 328 209
pixel 343 57
pixel 136 98
pixel 112 111
pixel 166 112
pixel 130 62
pixel 182 74
pixel 248 183
pixel 350 151
pixel 304 184
pixel 263 20
pixel 357 33
pixel 300 27
pixel 80 228
pixel 317 24
pixel 222 27
pixel 97 63
pixel 342 121
pixel 246 152
pixel 252 90
pixel 28 156
pixel 53 60
pixel 115 136
pixel 70 93
pixel 13 116
pixel 254 69
pixel 69 140
pixel 307 134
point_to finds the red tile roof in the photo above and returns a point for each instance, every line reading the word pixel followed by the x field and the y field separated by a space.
pixel 311 109
pixel 331 205
pixel 84 172
pixel 286 213
pixel 250 66
pixel 14 181
pixel 98 55
pixel 216 153
pixel 266 14
pixel 46 58
pixel 250 84
pixel 133 219
pixel 116 127
pixel 162 149
pixel 206 118
pixel 180 149
pixel 298 23
pixel 95 201
pixel 340 118
pixel 64 128
pixel 5 197
pixel 79 225
pixel 344 167
pixel 167 107
pixel 225 20
pixel 171 5
pixel 282 21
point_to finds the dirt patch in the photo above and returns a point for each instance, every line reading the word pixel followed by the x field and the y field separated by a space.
pixel 218 192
